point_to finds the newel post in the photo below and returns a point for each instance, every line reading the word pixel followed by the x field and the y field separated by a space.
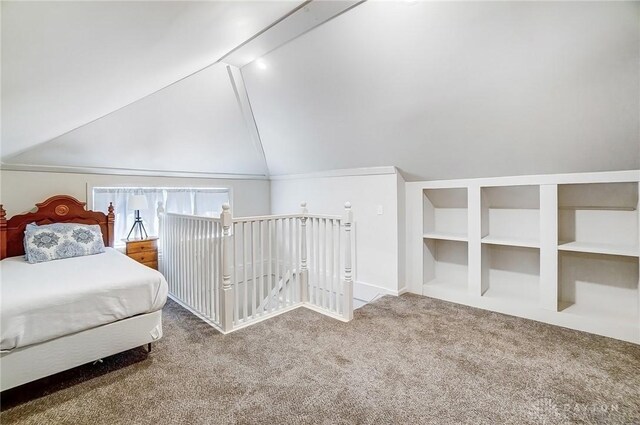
pixel 304 271
pixel 226 295
pixel 348 279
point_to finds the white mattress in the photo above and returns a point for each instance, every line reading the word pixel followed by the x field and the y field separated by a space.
pixel 44 301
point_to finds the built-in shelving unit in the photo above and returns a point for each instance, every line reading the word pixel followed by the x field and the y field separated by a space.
pixel 510 230
pixel 445 214
pixel 600 218
pixel 511 216
pixel 446 265
pixel 511 273
pixel 445 251
pixel 602 288
pixel 559 249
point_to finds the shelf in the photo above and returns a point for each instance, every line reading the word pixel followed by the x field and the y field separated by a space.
pixel 615 317
pixel 600 248
pixel 444 236
pixel 449 285
pixel 511 273
pixel 523 242
pixel 445 213
pixel 602 289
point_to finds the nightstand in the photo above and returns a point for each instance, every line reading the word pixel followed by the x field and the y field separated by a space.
pixel 144 251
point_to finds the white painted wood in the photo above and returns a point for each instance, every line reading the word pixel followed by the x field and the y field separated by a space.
pixel 227 295
pixel 548 247
pixel 540 179
pixel 446 236
pixel 348 281
pixel 304 271
pixel 514 274
pixel 474 202
pixel 572 262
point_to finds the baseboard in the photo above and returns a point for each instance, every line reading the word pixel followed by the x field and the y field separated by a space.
pixel 367 291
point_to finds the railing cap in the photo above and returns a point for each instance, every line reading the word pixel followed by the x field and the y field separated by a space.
pixel 226 206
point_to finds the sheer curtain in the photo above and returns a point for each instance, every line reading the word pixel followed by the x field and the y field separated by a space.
pixel 193 201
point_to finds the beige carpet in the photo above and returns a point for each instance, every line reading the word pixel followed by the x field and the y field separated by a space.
pixel 406 359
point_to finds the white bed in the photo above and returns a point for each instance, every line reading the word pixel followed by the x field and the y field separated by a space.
pixel 44 301
pixel 60 314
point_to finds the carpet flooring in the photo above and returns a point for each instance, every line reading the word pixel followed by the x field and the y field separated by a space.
pixel 407 359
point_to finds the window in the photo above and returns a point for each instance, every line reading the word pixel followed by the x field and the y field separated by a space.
pixel 205 202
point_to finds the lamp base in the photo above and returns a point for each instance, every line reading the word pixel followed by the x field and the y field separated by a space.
pixel 138 224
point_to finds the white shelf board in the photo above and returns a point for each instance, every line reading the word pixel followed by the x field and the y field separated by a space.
pixel 509 241
pixel 527 296
pixel 448 290
pixel 611 316
pixel 600 248
pixel 446 236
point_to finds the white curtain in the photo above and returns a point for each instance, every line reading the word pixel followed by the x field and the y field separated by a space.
pixel 192 201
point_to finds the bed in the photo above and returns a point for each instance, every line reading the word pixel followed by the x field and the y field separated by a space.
pixel 60 314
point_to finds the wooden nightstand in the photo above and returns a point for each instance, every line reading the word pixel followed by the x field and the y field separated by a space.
pixel 144 251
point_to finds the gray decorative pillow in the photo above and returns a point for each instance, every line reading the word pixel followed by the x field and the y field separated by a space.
pixel 61 240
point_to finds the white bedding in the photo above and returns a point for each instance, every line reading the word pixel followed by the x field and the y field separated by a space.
pixel 47 300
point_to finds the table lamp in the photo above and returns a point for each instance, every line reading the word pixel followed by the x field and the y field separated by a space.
pixel 137 203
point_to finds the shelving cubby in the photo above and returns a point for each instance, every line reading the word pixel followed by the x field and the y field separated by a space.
pixel 446 266
pixel 511 216
pixel 598 218
pixel 445 214
pixel 602 288
pixel 511 273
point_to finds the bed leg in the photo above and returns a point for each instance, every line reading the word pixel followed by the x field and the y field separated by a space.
pixel 149 347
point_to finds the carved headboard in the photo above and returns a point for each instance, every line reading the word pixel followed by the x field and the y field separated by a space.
pixel 57 209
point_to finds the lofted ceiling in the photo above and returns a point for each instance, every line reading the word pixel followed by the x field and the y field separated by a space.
pixel 438 89
pixel 65 64
pixel 456 89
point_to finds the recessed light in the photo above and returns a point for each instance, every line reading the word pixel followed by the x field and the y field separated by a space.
pixel 261 64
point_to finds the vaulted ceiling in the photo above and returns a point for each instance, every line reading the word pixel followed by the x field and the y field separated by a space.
pixel 439 89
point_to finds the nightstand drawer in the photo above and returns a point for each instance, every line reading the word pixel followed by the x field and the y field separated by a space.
pixel 139 246
pixel 144 257
pixel 152 264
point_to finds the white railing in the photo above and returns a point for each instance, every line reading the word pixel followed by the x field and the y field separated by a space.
pixel 234 272
pixel 191 258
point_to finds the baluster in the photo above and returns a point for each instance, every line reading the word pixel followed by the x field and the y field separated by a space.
pixel 317 262
pixel 289 246
pixel 325 248
pixel 270 267
pixel 348 280
pixel 254 256
pixel 304 272
pixel 330 252
pixel 261 231
pixel 227 289
pixel 236 271
pixel 276 277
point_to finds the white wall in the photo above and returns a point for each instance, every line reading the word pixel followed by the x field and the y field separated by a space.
pixel 456 89
pixel 21 190
pixel 377 237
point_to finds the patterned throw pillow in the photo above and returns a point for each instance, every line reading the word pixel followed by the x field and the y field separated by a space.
pixel 61 240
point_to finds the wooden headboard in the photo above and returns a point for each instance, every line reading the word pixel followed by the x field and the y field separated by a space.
pixel 57 209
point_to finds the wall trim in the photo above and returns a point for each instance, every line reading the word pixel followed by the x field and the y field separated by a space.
pixel 537 179
pixel 128 172
pixel 368 291
pixel 366 171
